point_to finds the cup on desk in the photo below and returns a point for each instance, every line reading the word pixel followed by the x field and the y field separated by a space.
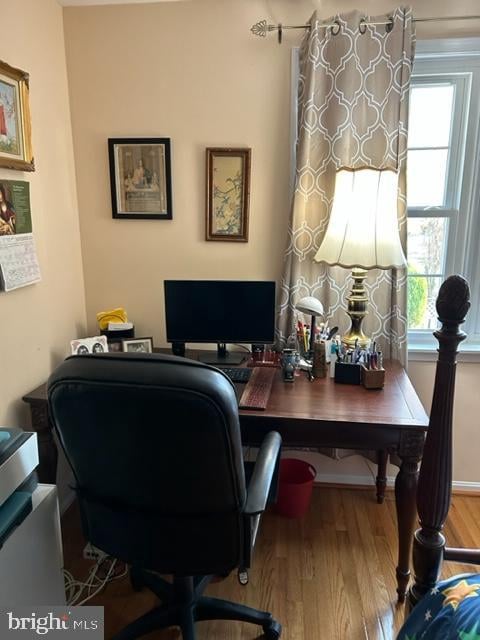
pixel 328 350
pixel 289 362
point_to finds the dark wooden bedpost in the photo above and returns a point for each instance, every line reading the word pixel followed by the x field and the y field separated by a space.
pixel 434 485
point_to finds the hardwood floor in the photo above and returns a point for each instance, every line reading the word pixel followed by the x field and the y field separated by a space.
pixel 328 576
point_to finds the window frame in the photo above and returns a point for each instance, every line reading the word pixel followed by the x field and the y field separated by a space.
pixel 456 61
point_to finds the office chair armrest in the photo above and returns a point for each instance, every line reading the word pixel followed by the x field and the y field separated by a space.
pixel 259 486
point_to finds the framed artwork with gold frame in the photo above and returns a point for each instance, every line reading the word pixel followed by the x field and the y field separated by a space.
pixel 228 194
pixel 15 125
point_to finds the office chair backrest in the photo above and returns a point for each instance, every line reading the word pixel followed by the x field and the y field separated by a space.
pixel 154 444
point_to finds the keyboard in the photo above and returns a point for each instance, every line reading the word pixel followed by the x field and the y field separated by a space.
pixel 237 374
pixel 257 392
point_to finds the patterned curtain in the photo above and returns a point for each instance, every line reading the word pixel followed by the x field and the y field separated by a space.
pixel 352 113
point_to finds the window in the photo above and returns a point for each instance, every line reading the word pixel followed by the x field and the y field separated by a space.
pixel 443 180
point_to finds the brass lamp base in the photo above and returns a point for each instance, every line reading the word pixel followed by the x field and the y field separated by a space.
pixel 357 310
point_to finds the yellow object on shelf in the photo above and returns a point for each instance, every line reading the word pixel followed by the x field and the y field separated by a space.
pixel 114 315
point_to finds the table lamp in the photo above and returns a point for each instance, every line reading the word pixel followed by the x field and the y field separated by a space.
pixel 362 234
pixel 314 308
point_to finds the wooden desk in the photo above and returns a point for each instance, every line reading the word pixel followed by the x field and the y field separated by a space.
pixel 321 414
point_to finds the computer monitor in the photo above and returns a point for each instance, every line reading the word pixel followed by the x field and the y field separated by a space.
pixel 220 311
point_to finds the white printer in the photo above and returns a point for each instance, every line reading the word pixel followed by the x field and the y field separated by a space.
pixel 18 460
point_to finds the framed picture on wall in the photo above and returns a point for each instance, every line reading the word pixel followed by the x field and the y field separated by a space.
pixel 228 193
pixel 140 178
pixel 15 126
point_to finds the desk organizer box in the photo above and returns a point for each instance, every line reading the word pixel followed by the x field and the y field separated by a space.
pixel 373 378
pixel 114 338
pixel 346 373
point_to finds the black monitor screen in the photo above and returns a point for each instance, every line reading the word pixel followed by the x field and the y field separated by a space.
pixel 220 311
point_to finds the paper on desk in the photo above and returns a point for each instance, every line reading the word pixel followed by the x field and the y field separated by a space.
pixel 18 261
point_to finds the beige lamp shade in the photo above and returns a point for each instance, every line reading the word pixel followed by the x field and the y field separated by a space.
pixel 363 228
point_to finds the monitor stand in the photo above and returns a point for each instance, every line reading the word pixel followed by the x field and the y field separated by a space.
pixel 222 356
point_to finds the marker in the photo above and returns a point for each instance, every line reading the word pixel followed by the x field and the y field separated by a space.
pixel 332 332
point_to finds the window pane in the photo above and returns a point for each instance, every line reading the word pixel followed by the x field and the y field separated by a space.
pixel 427 244
pixel 426 177
pixel 422 294
pixel 430 115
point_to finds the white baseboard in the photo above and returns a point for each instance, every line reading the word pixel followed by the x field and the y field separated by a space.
pixel 332 478
pixel 467 487
pixel 368 481
pixel 344 478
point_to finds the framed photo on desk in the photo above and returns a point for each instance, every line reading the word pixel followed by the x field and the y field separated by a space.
pixel 140 178
pixel 138 345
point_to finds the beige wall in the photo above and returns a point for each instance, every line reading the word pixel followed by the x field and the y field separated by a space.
pixel 193 72
pixel 39 321
pixel 466 438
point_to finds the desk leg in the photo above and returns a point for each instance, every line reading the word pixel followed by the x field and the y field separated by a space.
pixel 47 449
pixel 405 499
pixel 382 457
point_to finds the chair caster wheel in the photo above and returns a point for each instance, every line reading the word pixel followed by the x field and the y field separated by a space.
pixel 242 576
pixel 272 630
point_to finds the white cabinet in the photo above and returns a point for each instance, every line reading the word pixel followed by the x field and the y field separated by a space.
pixel 31 560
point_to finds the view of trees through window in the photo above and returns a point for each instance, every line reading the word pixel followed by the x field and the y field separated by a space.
pixel 429 200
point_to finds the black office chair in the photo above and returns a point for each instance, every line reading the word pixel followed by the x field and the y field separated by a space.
pixel 154 444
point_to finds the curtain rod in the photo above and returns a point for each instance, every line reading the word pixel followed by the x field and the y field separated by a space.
pixel 261 28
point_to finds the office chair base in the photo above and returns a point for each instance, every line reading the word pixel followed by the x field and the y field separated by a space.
pixel 184 605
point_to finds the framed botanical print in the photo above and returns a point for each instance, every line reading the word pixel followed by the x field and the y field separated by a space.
pixel 140 178
pixel 228 193
pixel 15 126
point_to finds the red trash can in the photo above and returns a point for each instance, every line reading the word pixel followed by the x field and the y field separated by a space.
pixel 295 486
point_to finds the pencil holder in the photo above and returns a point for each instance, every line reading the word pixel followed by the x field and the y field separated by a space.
pixel 319 368
pixel 373 378
pixel 346 373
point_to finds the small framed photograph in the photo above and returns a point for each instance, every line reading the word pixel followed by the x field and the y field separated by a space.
pixel 114 346
pixel 15 125
pixel 228 194
pixel 138 345
pixel 96 344
pixel 140 178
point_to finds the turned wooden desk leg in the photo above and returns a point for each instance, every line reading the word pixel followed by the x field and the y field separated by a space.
pixel 382 457
pixel 405 499
pixel 47 449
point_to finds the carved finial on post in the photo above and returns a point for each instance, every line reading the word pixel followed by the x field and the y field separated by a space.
pixel 453 303
pixel 434 485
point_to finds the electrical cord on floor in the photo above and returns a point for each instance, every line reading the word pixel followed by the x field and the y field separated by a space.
pixel 94 584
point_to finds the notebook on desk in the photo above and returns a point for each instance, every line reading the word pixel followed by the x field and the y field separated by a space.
pixel 258 388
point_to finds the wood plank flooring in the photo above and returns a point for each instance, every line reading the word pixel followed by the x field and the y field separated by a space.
pixel 328 576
